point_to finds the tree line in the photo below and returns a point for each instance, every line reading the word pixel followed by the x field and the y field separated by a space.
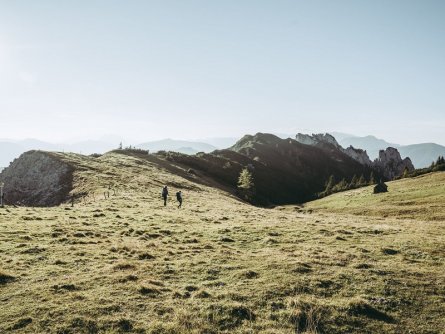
pixel 331 186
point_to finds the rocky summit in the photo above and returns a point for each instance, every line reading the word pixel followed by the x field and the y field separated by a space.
pixel 389 163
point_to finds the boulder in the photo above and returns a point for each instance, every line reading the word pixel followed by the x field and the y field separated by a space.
pixel 37 178
pixel 381 187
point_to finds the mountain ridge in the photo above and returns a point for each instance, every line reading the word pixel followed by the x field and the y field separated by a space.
pixel 421 154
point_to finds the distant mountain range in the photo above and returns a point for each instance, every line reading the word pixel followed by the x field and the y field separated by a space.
pixel 420 154
pixel 11 149
pixel 182 146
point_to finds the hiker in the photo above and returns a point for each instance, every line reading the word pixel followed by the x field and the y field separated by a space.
pixel 179 198
pixel 165 194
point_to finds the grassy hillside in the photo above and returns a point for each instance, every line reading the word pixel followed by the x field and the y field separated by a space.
pixel 284 171
pixel 128 264
pixel 420 198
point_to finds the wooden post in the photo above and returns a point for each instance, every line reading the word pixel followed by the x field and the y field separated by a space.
pixel 72 200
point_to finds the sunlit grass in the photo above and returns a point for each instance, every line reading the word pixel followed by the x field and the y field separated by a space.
pixel 127 264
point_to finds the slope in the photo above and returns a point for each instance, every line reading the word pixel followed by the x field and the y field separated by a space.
pixel 125 263
pixel 284 170
pixel 422 197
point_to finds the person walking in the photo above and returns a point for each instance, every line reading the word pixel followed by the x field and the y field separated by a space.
pixel 165 194
pixel 179 198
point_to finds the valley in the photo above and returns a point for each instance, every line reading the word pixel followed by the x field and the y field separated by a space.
pixel 351 262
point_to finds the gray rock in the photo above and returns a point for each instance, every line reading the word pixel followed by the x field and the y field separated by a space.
pixel 37 179
pixel 321 139
pixel 389 162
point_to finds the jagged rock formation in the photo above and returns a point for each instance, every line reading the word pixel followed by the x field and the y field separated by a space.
pixel 391 164
pixel 37 178
pixel 327 139
pixel 358 155
pixel 315 139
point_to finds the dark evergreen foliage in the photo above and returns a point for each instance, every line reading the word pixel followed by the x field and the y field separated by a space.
pixel 285 171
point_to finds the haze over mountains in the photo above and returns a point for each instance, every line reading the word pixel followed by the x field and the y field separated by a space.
pixel 282 171
pixel 421 154
pixel 11 149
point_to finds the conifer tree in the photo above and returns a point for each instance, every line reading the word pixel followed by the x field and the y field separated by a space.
pixel 354 182
pixel 372 179
pixel 361 181
pixel 329 185
pixel 342 185
pixel 405 173
pixel 246 185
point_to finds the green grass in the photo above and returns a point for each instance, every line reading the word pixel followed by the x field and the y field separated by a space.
pixel 128 264
pixel 419 198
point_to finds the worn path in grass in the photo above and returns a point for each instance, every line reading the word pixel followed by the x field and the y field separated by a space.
pixel 128 264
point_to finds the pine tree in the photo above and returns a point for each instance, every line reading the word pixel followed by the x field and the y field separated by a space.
pixel 246 185
pixel 342 185
pixel 354 182
pixel 329 185
pixel 405 173
pixel 361 181
pixel 372 179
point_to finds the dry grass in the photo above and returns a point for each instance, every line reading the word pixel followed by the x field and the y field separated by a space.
pixel 419 198
pixel 127 264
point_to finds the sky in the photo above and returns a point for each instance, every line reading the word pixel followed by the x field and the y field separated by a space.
pixel 190 69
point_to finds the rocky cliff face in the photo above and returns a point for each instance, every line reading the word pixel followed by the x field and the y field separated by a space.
pixel 317 139
pixel 326 139
pixel 37 179
pixel 391 164
pixel 358 155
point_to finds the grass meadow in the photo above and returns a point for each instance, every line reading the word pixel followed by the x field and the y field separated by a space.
pixel 353 262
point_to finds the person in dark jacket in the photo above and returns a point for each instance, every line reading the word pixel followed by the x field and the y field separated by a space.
pixel 179 198
pixel 165 194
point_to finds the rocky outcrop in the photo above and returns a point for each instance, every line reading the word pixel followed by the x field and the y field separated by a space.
pixel 391 164
pixel 317 139
pixel 321 139
pixel 37 178
pixel 358 155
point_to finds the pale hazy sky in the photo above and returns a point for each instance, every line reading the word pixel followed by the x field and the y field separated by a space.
pixel 191 69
